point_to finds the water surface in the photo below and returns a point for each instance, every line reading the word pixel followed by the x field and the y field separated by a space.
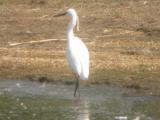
pixel 26 100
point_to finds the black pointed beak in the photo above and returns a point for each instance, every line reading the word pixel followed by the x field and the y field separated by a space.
pixel 60 14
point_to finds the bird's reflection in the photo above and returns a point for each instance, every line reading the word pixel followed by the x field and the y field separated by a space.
pixel 82 109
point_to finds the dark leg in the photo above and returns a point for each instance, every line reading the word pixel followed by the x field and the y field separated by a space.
pixel 76 87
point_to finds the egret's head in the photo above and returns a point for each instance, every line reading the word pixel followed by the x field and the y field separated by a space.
pixel 71 13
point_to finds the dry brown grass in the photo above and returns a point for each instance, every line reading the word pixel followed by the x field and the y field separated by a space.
pixel 122 36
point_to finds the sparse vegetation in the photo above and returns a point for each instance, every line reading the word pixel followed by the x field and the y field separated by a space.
pixel 122 36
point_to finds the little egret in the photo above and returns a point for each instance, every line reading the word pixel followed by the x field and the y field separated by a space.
pixel 77 53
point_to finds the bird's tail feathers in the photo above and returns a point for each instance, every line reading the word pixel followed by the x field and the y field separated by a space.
pixel 84 75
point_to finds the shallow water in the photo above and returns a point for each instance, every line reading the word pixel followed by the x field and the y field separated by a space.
pixel 26 100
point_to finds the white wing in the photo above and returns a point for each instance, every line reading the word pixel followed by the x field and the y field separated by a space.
pixel 78 58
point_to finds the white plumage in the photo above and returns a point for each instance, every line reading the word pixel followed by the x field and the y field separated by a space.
pixel 78 58
pixel 76 52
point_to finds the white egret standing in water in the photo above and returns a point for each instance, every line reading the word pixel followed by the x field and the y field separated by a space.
pixel 76 52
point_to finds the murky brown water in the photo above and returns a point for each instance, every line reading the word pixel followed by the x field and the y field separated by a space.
pixel 26 100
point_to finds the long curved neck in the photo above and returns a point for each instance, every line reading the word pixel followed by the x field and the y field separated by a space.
pixel 71 25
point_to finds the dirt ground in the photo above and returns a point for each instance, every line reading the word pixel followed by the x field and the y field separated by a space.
pixel 123 37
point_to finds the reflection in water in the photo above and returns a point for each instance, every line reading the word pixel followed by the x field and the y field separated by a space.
pixel 25 100
pixel 82 109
